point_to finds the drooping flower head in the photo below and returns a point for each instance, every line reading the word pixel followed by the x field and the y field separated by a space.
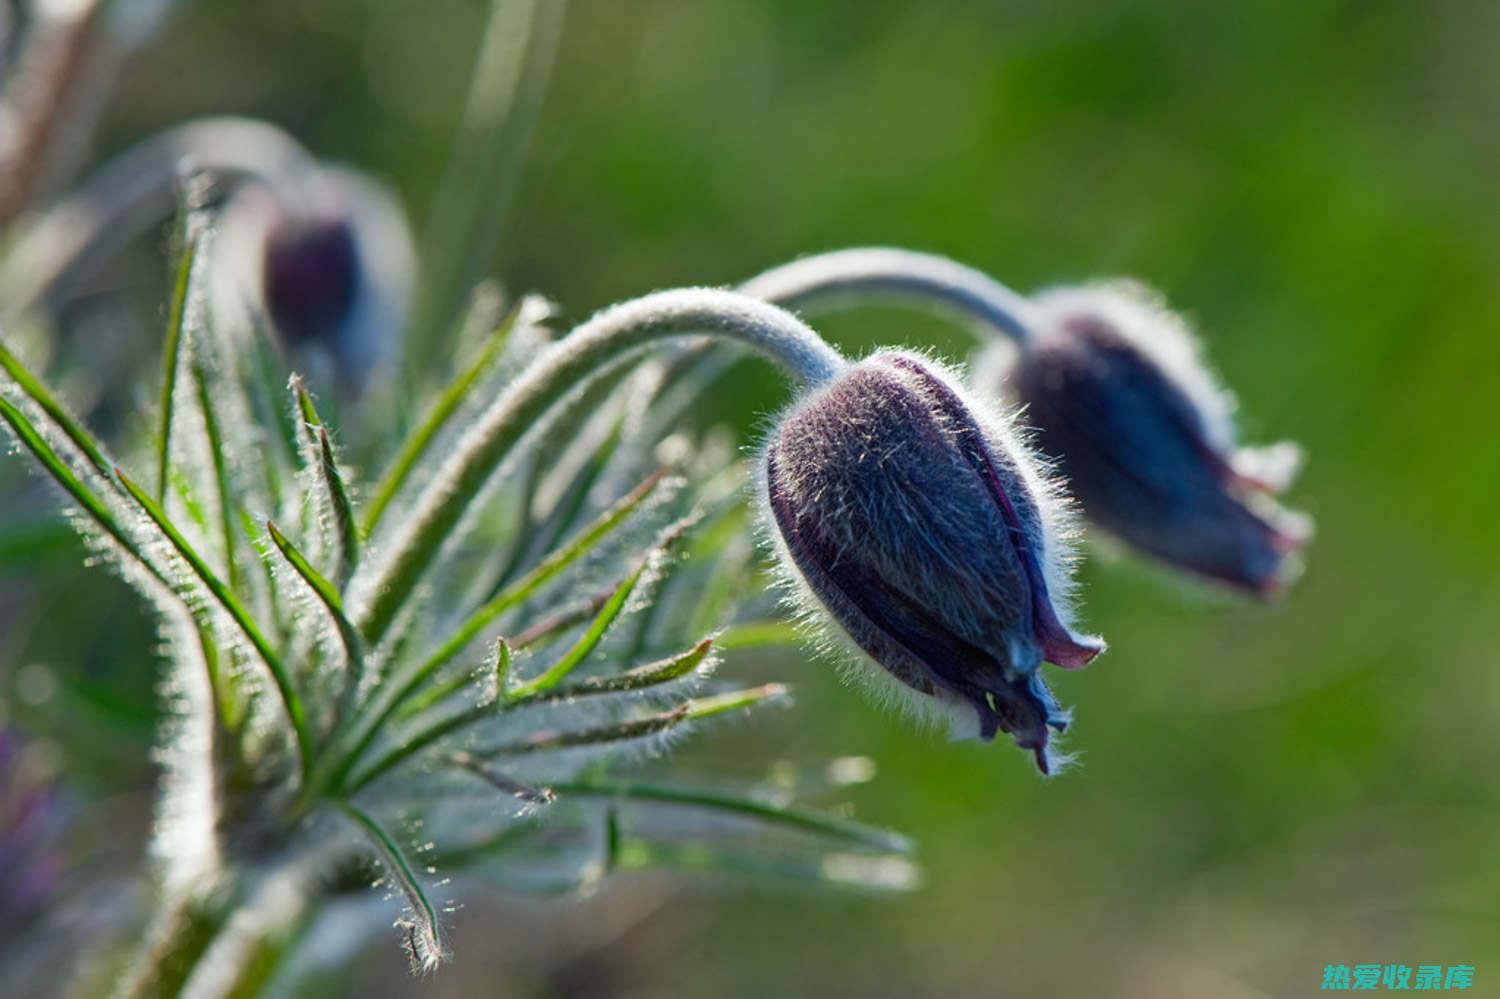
pixel 327 258
pixel 1114 386
pixel 924 531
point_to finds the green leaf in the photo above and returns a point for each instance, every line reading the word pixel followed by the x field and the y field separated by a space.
pixel 636 728
pixel 424 932
pixel 801 820
pixel 71 428
pixel 335 494
pixel 91 504
pixel 224 497
pixel 327 596
pixel 642 677
pixel 356 736
pixel 586 643
pixel 290 699
pixel 176 321
pixel 447 404
pixel 499 781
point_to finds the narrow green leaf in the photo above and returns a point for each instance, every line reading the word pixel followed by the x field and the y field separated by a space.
pixel 547 570
pixel 447 404
pixel 290 699
pixel 702 707
pixel 91 504
pixel 343 508
pixel 336 495
pixel 650 675
pixel 425 936
pixel 499 781
pixel 176 319
pixel 361 730
pixel 826 826
pixel 326 594
pixel 636 679
pixel 857 871
pixel 224 499
pixel 586 644
pixel 37 393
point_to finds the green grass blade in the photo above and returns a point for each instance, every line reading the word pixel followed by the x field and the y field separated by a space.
pixel 424 932
pixel 290 699
pixel 176 320
pixel 447 404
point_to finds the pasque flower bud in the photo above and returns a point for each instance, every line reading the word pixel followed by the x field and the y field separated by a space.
pixel 926 533
pixel 1113 384
pixel 326 257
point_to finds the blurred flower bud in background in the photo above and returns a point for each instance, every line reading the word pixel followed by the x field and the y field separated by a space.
pixel 1113 383
pixel 926 533
pixel 327 260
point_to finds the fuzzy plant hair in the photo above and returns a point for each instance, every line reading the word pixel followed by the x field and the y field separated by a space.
pixel 927 534
pixel 442 671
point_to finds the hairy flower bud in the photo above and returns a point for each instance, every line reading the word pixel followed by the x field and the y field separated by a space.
pixel 1113 384
pixel 327 259
pixel 926 534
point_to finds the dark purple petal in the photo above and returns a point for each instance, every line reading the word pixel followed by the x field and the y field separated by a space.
pixel 1059 645
pixel 1137 454
pixel 917 533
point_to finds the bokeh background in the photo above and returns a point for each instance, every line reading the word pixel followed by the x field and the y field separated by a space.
pixel 1264 789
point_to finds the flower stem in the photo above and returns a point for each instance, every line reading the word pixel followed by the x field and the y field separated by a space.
pixel 589 350
pixel 905 276
pixel 175 944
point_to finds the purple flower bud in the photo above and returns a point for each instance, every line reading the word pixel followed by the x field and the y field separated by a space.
pixel 926 534
pixel 326 257
pixel 310 277
pixel 1114 386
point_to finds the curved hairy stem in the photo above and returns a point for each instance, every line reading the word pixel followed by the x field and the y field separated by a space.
pixel 905 276
pixel 592 348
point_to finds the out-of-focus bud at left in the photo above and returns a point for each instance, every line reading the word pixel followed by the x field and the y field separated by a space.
pixel 327 260
pixel 1114 386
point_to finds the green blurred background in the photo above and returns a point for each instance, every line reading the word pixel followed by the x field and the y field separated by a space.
pixel 1264 789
